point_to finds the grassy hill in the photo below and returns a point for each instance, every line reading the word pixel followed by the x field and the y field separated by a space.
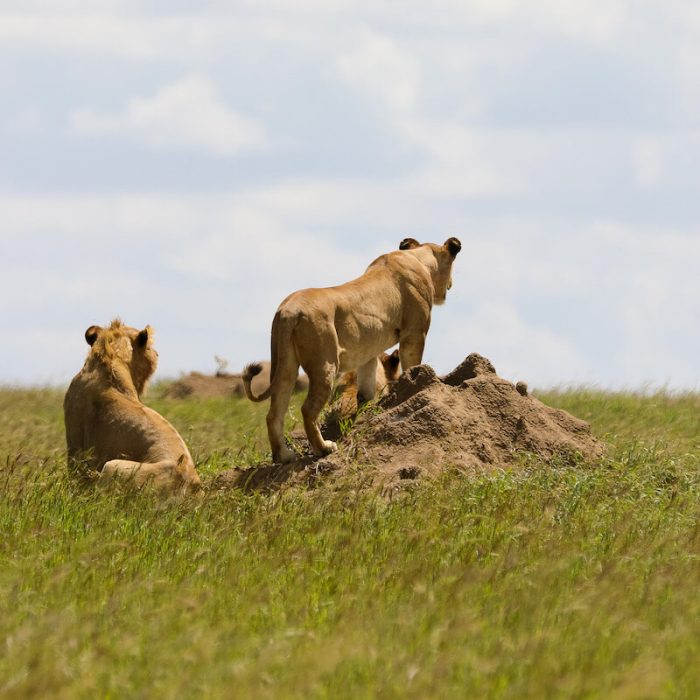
pixel 541 581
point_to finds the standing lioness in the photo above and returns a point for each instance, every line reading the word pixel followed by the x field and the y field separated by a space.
pixel 338 329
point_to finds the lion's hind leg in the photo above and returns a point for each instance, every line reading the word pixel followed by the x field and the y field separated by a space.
pixel 320 388
pixel 162 476
pixel 285 377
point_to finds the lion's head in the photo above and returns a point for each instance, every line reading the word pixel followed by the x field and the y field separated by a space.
pixel 126 353
pixel 441 270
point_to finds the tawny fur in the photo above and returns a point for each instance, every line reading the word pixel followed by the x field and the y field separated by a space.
pixel 344 328
pixel 109 430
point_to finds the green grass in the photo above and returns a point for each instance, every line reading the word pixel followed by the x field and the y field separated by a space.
pixel 543 581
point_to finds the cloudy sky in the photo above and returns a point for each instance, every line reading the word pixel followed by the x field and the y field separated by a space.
pixel 189 170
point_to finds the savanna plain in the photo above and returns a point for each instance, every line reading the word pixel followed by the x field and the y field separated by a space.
pixel 543 580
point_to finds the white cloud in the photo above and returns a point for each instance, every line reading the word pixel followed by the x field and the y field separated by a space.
pixel 26 122
pixel 459 160
pixel 467 161
pixel 27 349
pixel 378 66
pixel 666 159
pixel 132 39
pixel 136 31
pixel 187 114
pixel 79 218
pixel 465 104
pixel 519 350
pixel 459 154
pixel 579 19
pixel 607 304
pixel 139 36
pixel 648 160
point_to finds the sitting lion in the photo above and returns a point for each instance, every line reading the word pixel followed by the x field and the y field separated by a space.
pixel 109 430
pixel 349 398
pixel 338 329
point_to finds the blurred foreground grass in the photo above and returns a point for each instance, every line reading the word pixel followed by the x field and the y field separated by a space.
pixel 542 581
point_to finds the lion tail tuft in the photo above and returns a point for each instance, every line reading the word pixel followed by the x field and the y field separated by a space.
pixel 250 371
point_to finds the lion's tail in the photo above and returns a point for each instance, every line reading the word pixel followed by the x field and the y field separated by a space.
pixel 250 371
pixel 282 328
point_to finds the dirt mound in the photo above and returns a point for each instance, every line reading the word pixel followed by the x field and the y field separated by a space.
pixel 206 386
pixel 470 419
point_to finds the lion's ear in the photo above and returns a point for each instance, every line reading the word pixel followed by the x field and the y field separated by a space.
pixel 91 334
pixel 142 337
pixel 453 246
pixel 393 359
pixel 408 243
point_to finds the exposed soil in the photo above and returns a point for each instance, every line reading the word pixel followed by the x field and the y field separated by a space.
pixel 470 419
pixel 196 384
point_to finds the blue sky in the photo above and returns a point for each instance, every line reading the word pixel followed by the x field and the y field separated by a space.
pixel 188 168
